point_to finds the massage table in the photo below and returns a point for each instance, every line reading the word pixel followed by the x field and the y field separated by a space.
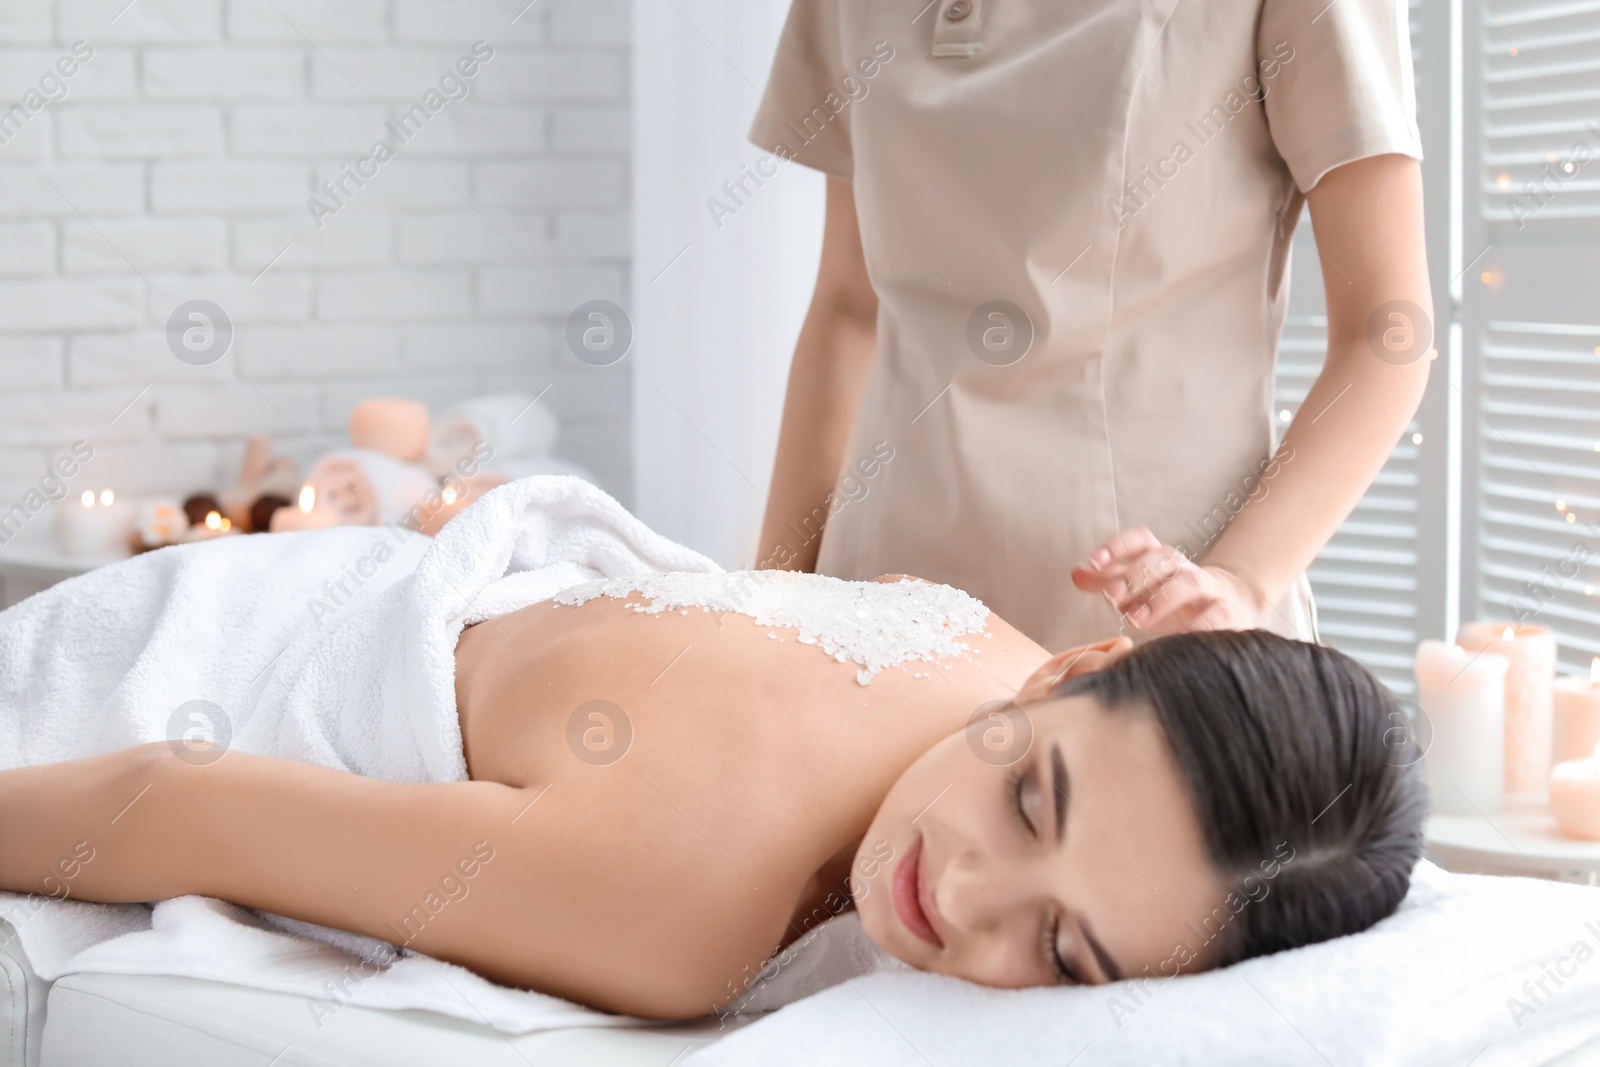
pixel 118 1020
pixel 105 1020
pixel 89 1019
pixel 1428 985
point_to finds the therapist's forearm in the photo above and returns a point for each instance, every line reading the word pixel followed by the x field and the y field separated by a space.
pixel 832 362
pixel 1370 236
pixel 1344 433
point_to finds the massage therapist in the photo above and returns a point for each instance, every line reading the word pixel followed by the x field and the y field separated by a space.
pixel 1054 274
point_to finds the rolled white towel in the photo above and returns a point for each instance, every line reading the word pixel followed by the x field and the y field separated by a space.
pixel 367 488
pixel 513 424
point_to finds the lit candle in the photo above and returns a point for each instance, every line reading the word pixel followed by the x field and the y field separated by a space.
pixel 305 515
pixel 94 526
pixel 215 524
pixel 455 496
pixel 1463 695
pixel 1530 680
pixel 1575 796
pixel 1575 731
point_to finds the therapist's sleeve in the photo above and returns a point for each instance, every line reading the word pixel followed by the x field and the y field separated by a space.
pixel 1338 81
pixel 805 112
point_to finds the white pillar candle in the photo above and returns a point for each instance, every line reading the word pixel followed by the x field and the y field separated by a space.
pixel 1575 797
pixel 1530 678
pixel 94 524
pixel 303 515
pixel 1463 695
pixel 1575 732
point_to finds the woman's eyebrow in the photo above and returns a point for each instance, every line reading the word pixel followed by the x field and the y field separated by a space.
pixel 1060 790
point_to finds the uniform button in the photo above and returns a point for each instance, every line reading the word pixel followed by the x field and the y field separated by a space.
pixel 958 10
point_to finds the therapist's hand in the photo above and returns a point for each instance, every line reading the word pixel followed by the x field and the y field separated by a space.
pixel 1161 591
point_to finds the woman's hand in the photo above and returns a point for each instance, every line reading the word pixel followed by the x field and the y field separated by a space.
pixel 1160 590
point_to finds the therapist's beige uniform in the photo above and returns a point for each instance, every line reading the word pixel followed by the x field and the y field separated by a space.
pixel 1126 173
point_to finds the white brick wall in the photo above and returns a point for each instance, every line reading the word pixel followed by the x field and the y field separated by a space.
pixel 178 166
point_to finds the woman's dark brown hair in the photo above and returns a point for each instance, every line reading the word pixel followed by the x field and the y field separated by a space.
pixel 1288 748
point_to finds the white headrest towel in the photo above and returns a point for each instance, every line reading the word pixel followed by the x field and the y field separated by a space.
pixel 1439 982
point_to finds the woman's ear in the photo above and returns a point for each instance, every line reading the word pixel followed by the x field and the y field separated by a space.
pixel 1070 664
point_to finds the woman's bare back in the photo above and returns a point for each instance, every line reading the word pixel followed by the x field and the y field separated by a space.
pixel 724 770
pixel 640 856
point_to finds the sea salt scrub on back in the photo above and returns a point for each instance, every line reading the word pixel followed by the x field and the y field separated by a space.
pixel 876 625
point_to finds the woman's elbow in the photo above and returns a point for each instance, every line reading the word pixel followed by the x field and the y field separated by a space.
pixel 847 310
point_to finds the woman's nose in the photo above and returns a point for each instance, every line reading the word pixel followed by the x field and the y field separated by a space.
pixel 975 896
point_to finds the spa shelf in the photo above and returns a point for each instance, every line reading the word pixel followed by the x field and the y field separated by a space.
pixel 1519 839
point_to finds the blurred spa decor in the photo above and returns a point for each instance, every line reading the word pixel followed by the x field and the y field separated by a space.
pixel 402 466
pixel 1503 734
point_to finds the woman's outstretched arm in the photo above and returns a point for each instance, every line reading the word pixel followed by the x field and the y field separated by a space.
pixel 465 872
pixel 315 844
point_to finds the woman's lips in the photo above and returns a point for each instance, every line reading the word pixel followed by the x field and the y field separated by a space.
pixel 912 900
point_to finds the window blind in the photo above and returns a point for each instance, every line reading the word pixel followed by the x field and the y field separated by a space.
pixel 1532 320
pixel 1540 480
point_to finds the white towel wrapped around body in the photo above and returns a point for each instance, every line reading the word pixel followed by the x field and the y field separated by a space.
pixel 333 647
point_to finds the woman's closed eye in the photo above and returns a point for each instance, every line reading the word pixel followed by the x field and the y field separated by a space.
pixel 1016 784
pixel 1066 970
pixel 1022 790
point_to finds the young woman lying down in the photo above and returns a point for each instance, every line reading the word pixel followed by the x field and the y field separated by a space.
pixel 671 794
